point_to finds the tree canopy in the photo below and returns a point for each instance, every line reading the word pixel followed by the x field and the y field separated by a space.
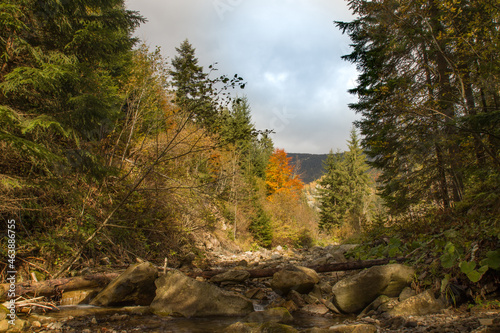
pixel 428 98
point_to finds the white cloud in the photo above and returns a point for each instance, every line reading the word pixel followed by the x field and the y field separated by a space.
pixel 288 51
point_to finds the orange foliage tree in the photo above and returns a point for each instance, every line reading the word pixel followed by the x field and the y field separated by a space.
pixel 280 175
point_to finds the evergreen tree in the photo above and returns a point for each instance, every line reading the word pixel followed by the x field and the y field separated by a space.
pixel 192 87
pixel 358 181
pixel 344 188
pixel 332 192
pixel 261 228
pixel 428 81
pixel 60 67
pixel 237 128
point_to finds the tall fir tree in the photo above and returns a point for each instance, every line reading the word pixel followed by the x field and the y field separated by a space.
pixel 358 181
pixel 345 187
pixel 428 98
pixel 192 87
pixel 61 63
pixel 332 192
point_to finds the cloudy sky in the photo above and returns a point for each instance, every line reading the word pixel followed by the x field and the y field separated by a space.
pixel 288 52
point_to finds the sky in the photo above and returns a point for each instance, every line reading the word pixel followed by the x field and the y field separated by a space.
pixel 287 51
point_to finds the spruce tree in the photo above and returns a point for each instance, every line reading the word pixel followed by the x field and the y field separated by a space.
pixel 428 99
pixel 358 181
pixel 332 191
pixel 192 87
pixel 344 188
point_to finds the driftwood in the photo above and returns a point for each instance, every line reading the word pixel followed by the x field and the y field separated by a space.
pixel 335 267
pixel 53 287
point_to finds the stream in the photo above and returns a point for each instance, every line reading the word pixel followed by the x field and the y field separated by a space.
pixel 138 319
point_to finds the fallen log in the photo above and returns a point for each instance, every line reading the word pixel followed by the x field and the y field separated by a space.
pixel 53 287
pixel 335 267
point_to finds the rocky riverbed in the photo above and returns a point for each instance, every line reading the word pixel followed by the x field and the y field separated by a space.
pixel 294 299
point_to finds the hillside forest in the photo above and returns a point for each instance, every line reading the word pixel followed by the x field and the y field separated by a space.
pixel 109 152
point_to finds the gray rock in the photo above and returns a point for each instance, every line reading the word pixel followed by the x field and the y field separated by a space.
pixel 296 298
pixel 300 279
pixel 179 295
pixel 82 296
pixel 355 292
pixel 134 286
pixel 419 305
pixel 315 309
pixel 345 248
pixel 406 293
pixel 256 293
pixel 373 306
pixel 231 276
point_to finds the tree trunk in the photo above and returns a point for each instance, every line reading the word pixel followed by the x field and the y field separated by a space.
pixel 336 267
pixel 53 287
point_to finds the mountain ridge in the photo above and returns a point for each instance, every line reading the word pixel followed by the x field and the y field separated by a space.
pixel 310 166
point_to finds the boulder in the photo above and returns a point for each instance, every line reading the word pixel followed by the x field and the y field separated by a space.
pixel 179 295
pixel 355 292
pixel 256 293
pixel 75 297
pixel 300 279
pixel 315 309
pixel 419 305
pixel 406 293
pixel 135 286
pixel 373 306
pixel 234 275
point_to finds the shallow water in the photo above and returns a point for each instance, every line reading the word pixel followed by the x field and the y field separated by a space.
pixel 139 319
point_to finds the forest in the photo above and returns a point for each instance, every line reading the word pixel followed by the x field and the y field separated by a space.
pixel 110 152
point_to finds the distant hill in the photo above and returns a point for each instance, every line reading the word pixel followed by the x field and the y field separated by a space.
pixel 310 165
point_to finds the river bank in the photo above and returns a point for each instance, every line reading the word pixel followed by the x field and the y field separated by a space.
pixel 309 310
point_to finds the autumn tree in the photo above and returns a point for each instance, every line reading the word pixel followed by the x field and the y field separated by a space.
pixel 280 175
